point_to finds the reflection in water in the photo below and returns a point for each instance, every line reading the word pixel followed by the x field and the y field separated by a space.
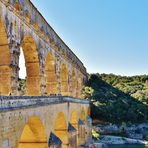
pixel 33 145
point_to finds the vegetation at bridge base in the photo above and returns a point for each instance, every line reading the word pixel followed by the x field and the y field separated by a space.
pixel 22 87
pixel 118 99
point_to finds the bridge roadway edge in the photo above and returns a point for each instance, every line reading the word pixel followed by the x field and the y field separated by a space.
pixel 9 103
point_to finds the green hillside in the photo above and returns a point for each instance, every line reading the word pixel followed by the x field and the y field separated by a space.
pixel 117 98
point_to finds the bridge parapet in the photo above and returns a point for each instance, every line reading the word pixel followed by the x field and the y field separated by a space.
pixel 19 102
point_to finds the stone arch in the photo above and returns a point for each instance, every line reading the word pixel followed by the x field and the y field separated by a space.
pixel 74 119
pixel 33 134
pixel 32 66
pixel 64 81
pixel 60 129
pixel 17 5
pixel 74 84
pixel 83 115
pixel 79 87
pixel 50 72
pixel 82 127
pixel 73 135
pixel 5 61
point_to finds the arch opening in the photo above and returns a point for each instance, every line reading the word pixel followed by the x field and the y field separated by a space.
pixel 50 72
pixel 22 74
pixel 73 84
pixel 5 61
pixel 61 130
pixel 32 67
pixel 64 81
pixel 33 134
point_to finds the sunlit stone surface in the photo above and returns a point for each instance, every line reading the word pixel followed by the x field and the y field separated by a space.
pixel 54 81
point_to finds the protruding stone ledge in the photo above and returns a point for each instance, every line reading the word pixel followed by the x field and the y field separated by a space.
pixel 18 102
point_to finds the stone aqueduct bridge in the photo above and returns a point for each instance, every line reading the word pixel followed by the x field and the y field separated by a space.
pixel 50 113
pixel 39 122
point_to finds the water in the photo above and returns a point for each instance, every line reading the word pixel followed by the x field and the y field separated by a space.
pixel 127 146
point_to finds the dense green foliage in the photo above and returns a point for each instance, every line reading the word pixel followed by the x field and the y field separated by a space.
pixel 136 86
pixel 118 99
pixel 21 87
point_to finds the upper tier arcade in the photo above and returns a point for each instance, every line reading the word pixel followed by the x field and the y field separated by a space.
pixel 52 68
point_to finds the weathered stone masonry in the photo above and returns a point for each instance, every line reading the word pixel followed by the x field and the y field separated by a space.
pixel 52 68
pixel 31 121
pixel 50 113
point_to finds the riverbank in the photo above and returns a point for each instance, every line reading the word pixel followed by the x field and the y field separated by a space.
pixel 120 140
pixel 99 145
pixel 127 146
pixel 134 131
pixel 115 136
pixel 117 142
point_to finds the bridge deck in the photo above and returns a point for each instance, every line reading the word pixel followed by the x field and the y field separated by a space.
pixel 8 103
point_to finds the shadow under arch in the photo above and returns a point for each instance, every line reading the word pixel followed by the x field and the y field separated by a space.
pixel 32 66
pixel 50 72
pixel 61 130
pixel 64 80
pixel 33 134
pixel 74 84
pixel 5 61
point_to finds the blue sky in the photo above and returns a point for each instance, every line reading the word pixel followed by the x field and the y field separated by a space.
pixel 109 36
